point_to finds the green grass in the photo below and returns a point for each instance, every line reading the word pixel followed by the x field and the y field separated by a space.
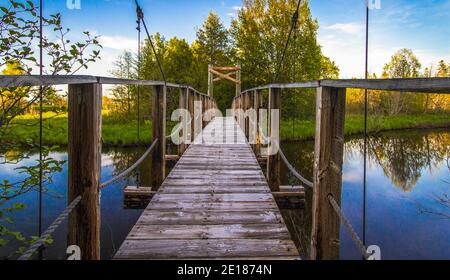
pixel 354 124
pixel 115 132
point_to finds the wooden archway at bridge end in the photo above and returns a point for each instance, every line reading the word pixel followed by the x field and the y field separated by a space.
pixel 230 73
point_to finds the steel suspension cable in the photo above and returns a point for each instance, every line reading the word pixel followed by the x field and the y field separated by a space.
pixel 151 43
pixel 286 45
pixel 140 15
pixel 41 89
pixel 365 124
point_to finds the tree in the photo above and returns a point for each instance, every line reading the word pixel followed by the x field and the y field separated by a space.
pixel 403 64
pixel 213 41
pixel 125 67
pixel 443 70
pixel 213 47
pixel 19 34
pixel 259 36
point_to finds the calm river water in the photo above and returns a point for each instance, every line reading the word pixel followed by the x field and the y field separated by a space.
pixel 407 197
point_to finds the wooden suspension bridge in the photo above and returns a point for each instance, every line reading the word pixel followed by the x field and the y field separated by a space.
pixel 216 203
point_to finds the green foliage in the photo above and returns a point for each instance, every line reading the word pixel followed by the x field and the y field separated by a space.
pixel 354 124
pixel 213 42
pixel 115 131
pixel 255 40
pixel 403 64
pixel 443 70
pixel 19 34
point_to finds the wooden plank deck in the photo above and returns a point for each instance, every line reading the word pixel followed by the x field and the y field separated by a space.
pixel 215 204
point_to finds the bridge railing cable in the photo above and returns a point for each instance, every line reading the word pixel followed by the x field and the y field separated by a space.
pixel 353 235
pixel 39 243
pixel 292 169
pixel 131 168
pixel 286 162
pixel 286 45
pixel 152 45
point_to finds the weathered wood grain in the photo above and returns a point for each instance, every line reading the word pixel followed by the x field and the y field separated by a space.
pixel 84 151
pixel 198 249
pixel 214 204
pixel 159 132
pixel 328 160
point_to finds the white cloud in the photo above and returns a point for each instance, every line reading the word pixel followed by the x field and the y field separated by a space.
pixel 353 176
pixel 350 27
pixel 118 43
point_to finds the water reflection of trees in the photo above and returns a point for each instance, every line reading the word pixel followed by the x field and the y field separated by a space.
pixel 403 156
pixel 123 158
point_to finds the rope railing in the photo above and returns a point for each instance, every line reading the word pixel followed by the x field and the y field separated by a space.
pixel 353 235
pixel 292 169
pixel 286 161
pixel 131 168
pixel 174 133
pixel 50 230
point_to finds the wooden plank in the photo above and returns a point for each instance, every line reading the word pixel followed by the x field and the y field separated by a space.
pixel 214 204
pixel 214 189
pixel 253 197
pixel 420 85
pixel 84 152
pixel 209 217
pixel 222 231
pixel 232 206
pixel 430 85
pixel 328 160
pixel 196 249
pixel 137 197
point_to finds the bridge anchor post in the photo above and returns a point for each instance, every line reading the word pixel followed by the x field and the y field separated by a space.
pixel 84 153
pixel 159 132
pixel 328 160
pixel 273 159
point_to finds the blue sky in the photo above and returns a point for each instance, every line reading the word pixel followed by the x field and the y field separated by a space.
pixel 423 26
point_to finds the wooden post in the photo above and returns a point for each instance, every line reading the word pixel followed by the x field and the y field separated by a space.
pixel 273 159
pixel 238 79
pixel 84 151
pixel 184 92
pixel 198 115
pixel 203 99
pixel 241 107
pixel 159 132
pixel 257 104
pixel 191 101
pixel 247 120
pixel 328 161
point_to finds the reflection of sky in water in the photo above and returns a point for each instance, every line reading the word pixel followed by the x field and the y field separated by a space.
pixel 394 221
pixel 394 218
pixel 115 221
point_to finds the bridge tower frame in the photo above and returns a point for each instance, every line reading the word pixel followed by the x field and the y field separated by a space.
pixel 218 73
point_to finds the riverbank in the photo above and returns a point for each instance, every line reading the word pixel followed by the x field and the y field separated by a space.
pixel 354 125
pixel 124 133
